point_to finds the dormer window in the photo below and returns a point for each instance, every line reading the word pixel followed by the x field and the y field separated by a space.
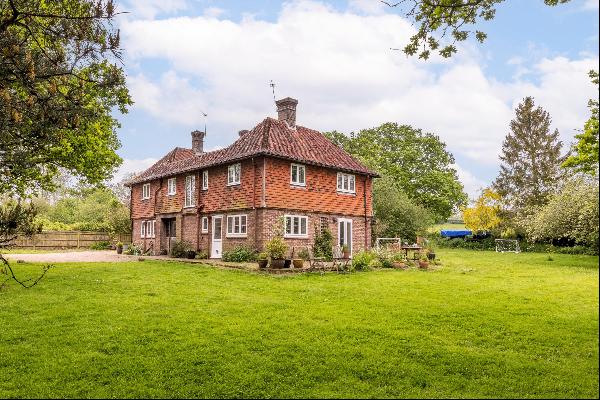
pixel 298 175
pixel 145 191
pixel 234 173
pixel 345 183
pixel 171 186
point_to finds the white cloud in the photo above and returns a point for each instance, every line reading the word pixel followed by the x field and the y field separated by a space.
pixel 338 64
pixel 471 183
pixel 367 6
pixel 132 166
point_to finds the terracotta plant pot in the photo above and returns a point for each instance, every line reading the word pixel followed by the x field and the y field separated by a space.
pixel 277 264
pixel 262 263
pixel 423 264
pixel 298 263
pixel 346 254
pixel 399 265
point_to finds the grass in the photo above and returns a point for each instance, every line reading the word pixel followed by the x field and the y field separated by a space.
pixel 483 325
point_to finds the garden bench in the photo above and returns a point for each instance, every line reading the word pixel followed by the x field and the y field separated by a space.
pixel 340 263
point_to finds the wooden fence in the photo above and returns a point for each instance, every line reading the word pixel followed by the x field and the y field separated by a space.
pixel 68 239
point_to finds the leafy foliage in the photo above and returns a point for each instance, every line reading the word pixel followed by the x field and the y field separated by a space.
pixel 570 214
pixel 58 89
pixel 531 159
pixel 362 260
pixel 89 210
pixel 240 254
pixel 395 214
pixel 485 214
pixel 416 162
pixel 180 248
pixel 585 157
pixel 438 19
pixel 323 246
pixel 276 248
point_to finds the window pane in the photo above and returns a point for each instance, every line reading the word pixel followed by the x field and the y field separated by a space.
pixel 294 174
pixel 339 181
pixel 288 225
pixel 296 227
pixel 301 175
pixel 303 226
pixel 352 183
pixel 243 224
pixel 236 226
pixel 229 224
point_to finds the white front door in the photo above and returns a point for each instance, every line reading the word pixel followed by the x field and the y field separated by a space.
pixel 345 233
pixel 217 237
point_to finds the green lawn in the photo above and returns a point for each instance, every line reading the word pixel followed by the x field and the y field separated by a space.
pixel 484 324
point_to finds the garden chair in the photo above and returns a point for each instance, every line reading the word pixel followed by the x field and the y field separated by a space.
pixel 339 262
pixel 315 263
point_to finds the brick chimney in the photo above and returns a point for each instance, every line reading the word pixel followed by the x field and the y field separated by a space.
pixel 286 111
pixel 243 132
pixel 198 142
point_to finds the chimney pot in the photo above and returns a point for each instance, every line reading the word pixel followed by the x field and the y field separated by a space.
pixel 286 111
pixel 198 142
pixel 243 132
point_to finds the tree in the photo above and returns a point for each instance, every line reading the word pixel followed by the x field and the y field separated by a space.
pixel 531 159
pixel 438 18
pixel 585 157
pixel 59 83
pixel 571 215
pixel 485 214
pixel 395 214
pixel 416 162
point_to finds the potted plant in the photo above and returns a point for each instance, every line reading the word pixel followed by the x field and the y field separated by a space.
pixel 119 248
pixel 262 259
pixel 345 251
pixel 275 249
pixel 302 255
pixel 398 261
pixel 424 262
pixel 190 254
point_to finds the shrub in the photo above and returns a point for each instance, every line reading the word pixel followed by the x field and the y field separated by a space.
pixel 239 254
pixel 133 250
pixel 103 245
pixel 276 248
pixel 375 264
pixel 323 246
pixel 201 254
pixel 180 249
pixel 303 254
pixel 362 260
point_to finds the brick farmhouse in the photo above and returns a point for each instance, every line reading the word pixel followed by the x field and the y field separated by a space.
pixel 276 172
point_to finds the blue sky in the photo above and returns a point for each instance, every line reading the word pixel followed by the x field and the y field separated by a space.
pixel 185 57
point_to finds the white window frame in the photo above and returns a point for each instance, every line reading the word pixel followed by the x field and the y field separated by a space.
pixel 299 234
pixel 346 183
pixel 171 186
pixel 298 167
pixel 232 224
pixel 143 230
pixel 147 229
pixel 145 191
pixel 231 174
pixel 204 224
pixel 190 191
pixel 205 180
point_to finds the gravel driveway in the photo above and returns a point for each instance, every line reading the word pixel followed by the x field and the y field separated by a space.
pixel 73 256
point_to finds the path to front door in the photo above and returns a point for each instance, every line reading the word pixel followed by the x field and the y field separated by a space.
pixel 217 237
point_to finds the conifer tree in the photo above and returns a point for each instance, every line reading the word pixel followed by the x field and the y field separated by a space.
pixel 531 159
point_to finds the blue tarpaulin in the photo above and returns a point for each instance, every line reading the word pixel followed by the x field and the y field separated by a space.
pixel 455 234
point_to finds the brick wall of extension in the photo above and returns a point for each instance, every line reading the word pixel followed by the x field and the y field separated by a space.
pixel 263 195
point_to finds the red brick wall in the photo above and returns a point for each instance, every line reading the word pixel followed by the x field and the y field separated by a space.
pixel 220 196
pixel 320 193
pixel 143 208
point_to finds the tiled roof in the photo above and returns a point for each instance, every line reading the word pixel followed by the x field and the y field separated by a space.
pixel 270 137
